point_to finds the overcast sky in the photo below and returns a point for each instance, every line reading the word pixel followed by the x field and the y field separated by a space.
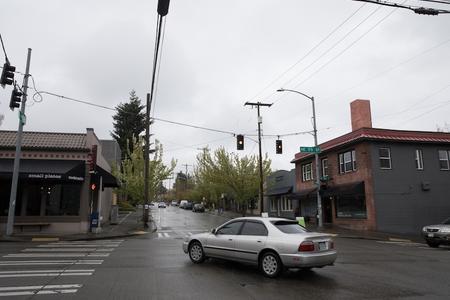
pixel 219 54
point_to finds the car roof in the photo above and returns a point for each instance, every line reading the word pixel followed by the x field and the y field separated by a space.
pixel 269 219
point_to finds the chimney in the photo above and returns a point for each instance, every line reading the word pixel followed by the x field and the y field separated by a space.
pixel 360 113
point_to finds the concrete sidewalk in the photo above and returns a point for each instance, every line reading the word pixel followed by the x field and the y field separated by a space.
pixel 343 232
pixel 129 224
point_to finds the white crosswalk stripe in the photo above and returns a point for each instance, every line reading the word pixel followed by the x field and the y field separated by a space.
pixel 65 254
pixel 164 234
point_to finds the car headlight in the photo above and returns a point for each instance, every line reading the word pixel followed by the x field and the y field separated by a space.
pixel 445 230
pixel 424 229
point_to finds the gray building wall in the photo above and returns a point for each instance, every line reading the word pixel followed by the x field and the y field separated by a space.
pixel 401 204
pixel 276 180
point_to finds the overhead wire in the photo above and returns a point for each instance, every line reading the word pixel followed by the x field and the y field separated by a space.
pixel 309 52
pixel 3 47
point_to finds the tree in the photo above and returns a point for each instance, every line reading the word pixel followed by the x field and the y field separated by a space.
pixel 227 173
pixel 129 123
pixel 132 173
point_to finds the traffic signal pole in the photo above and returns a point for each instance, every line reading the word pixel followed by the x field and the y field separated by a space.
pixel 15 179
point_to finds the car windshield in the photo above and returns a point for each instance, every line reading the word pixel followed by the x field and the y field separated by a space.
pixel 446 222
pixel 289 226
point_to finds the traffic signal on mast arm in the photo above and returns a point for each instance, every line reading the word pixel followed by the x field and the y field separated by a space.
pixel 240 142
pixel 279 146
pixel 7 77
pixel 16 98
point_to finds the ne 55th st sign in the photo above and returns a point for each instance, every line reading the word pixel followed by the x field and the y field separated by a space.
pixel 310 149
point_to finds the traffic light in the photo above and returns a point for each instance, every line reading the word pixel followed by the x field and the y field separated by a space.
pixel 279 146
pixel 93 186
pixel 16 98
pixel 163 7
pixel 7 77
pixel 240 142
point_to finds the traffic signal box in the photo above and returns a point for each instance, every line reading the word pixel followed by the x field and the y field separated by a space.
pixel 279 146
pixel 240 142
pixel 7 77
pixel 16 98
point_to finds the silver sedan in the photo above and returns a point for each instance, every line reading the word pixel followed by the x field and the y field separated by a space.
pixel 270 243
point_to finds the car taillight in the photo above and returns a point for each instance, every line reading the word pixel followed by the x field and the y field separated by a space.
pixel 306 246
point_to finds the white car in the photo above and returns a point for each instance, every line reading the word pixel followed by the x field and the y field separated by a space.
pixel 161 205
pixel 271 243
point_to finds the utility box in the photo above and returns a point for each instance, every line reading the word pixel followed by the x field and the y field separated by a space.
pixel 114 215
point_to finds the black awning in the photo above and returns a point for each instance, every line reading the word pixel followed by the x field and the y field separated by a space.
pixel 108 180
pixel 43 169
pixel 279 191
pixel 355 188
pixel 302 194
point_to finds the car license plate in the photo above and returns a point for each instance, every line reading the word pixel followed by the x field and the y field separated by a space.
pixel 322 246
pixel 431 235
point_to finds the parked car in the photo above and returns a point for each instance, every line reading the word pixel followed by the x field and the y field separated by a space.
pixel 436 235
pixel 161 205
pixel 174 203
pixel 183 204
pixel 270 243
pixel 189 205
pixel 198 207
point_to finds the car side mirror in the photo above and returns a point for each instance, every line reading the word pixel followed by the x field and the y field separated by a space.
pixel 213 231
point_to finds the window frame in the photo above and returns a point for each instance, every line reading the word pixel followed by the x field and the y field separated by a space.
pixel 389 158
pixel 305 172
pixel 324 164
pixel 343 162
pixel 229 223
pixel 286 204
pixel 447 154
pixel 419 159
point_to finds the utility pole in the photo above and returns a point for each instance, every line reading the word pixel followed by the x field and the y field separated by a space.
pixel 185 183
pixel 15 179
pixel 261 188
pixel 147 160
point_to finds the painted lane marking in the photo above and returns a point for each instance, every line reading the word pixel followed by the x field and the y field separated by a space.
pixel 77 246
pixel 51 262
pixel 166 234
pixel 67 250
pixel 41 292
pixel 57 255
pixel 45 271
pixel 39 287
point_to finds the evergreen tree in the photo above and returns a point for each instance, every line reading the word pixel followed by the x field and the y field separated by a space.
pixel 129 123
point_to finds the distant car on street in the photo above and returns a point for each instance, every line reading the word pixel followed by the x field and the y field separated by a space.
pixel 189 205
pixel 198 207
pixel 174 203
pixel 436 235
pixel 271 243
pixel 161 205
pixel 183 204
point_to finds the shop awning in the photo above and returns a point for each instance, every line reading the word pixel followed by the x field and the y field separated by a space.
pixel 108 179
pixel 355 188
pixel 302 194
pixel 42 169
pixel 279 191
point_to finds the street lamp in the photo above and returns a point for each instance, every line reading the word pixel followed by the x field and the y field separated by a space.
pixel 316 154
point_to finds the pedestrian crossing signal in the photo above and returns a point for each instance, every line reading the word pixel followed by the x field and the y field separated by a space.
pixel 240 142
pixel 279 146
pixel 93 186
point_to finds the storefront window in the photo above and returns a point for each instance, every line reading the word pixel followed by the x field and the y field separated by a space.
pixel 351 206
pixel 63 200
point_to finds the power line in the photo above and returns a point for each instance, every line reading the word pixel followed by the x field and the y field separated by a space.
pixel 347 48
pixel 309 52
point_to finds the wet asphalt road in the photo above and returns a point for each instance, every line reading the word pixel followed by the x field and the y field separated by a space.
pixel 154 267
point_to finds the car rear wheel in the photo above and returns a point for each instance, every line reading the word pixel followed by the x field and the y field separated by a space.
pixel 270 264
pixel 432 244
pixel 196 253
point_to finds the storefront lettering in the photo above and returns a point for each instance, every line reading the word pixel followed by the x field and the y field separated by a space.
pixel 76 178
pixel 45 176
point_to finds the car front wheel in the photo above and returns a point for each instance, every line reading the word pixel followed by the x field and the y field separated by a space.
pixel 196 253
pixel 270 264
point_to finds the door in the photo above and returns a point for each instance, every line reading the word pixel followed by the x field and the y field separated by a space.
pixel 327 210
pixel 222 244
pixel 250 241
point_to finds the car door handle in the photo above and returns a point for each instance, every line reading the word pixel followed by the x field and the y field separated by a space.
pixel 258 241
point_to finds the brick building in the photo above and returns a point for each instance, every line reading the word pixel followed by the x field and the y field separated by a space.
pixel 378 179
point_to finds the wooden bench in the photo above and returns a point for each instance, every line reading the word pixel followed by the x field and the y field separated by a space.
pixel 40 224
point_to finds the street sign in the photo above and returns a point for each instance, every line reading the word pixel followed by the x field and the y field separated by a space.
pixel 22 118
pixel 310 149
